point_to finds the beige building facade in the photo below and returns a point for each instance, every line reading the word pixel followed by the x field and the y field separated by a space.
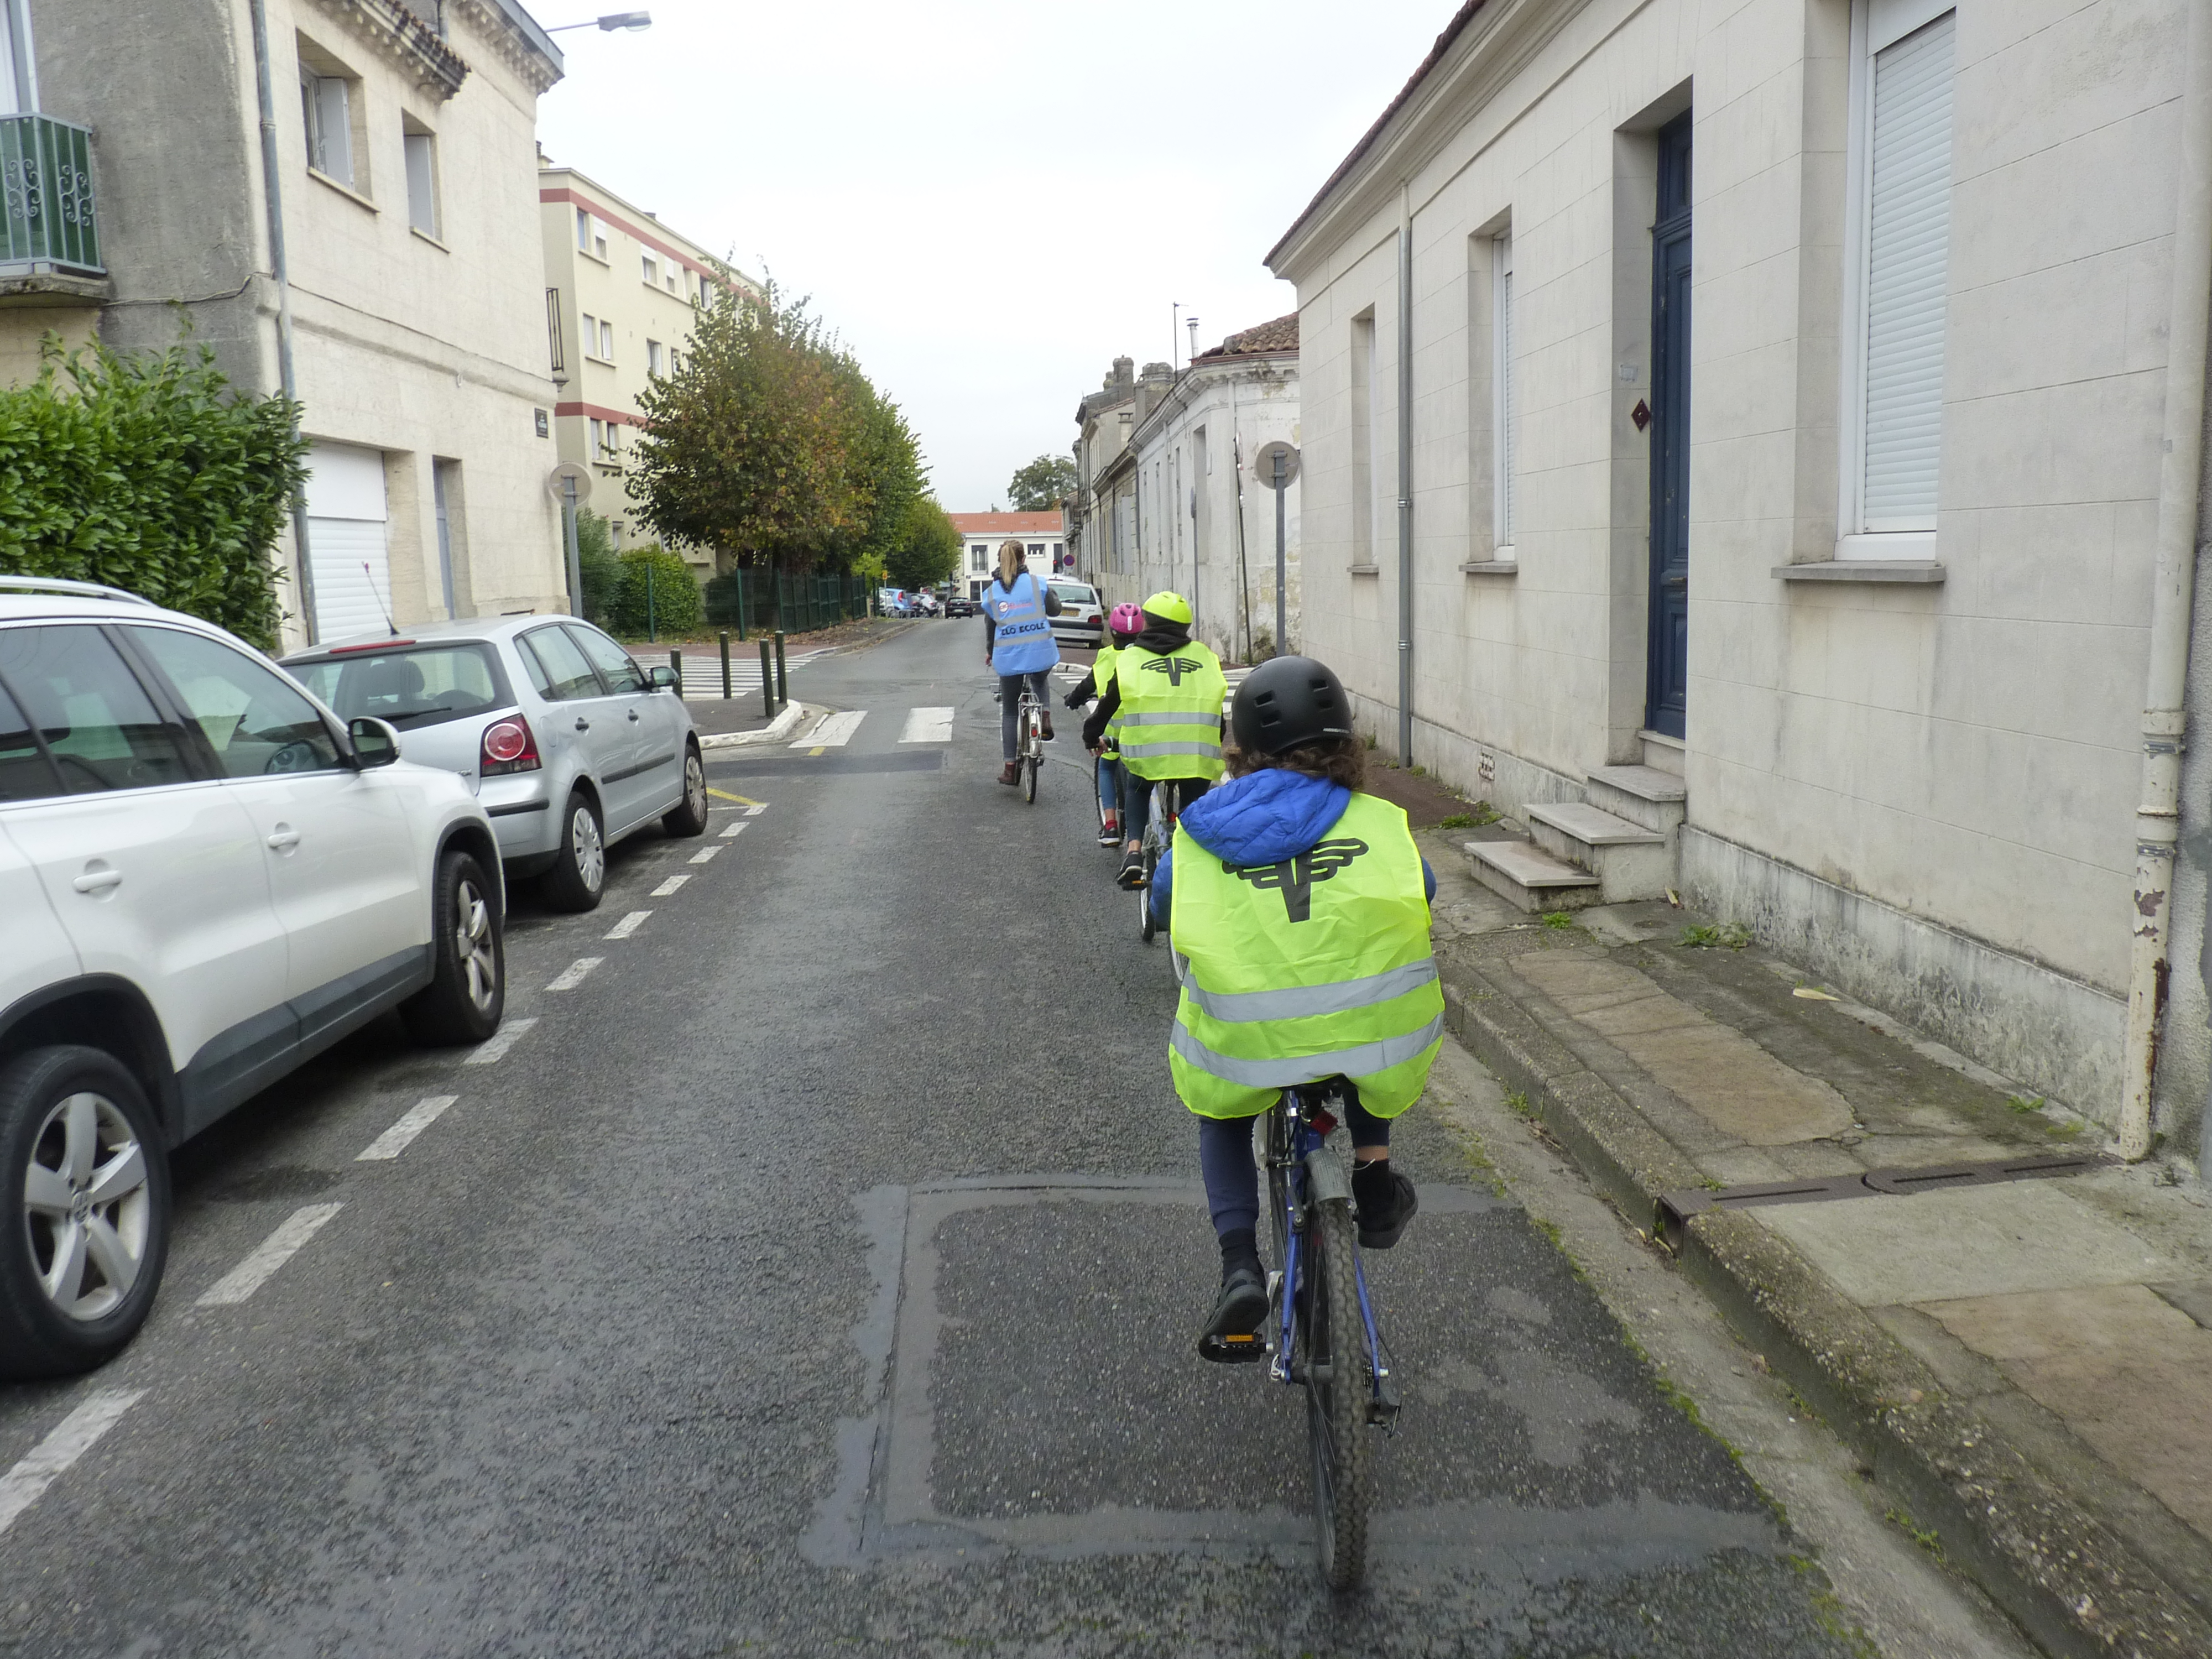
pixel 620 292
pixel 405 164
pixel 1776 397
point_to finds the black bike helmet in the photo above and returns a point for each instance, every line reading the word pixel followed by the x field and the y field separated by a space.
pixel 1286 702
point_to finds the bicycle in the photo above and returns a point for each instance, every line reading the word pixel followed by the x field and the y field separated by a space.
pixel 1160 835
pixel 1316 1305
pixel 1029 741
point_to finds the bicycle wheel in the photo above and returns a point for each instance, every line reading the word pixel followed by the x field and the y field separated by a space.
pixel 1145 926
pixel 1029 769
pixel 1332 1361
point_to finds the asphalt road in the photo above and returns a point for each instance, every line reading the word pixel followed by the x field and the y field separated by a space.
pixel 819 1272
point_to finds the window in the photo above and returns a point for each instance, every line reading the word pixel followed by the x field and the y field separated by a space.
pixel 553 333
pixel 24 773
pixel 583 231
pixel 99 727
pixel 1502 422
pixel 653 356
pixel 614 664
pixel 18 92
pixel 559 670
pixel 422 179
pixel 651 267
pixel 253 719
pixel 427 685
pixel 590 327
pixel 598 437
pixel 1364 504
pixel 669 282
pixel 979 557
pixel 599 240
pixel 326 101
pixel 1898 257
pixel 607 339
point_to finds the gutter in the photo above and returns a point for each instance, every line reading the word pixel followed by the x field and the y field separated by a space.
pixel 2172 594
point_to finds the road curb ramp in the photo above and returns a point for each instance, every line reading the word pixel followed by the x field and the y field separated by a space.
pixel 775 731
pixel 2045 1556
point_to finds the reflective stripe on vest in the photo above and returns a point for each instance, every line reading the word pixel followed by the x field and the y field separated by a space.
pixel 1301 970
pixel 1175 698
pixel 1021 637
pixel 1213 720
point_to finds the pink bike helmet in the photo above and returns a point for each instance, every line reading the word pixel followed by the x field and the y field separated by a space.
pixel 1126 620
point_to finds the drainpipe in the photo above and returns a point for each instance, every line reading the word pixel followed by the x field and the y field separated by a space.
pixel 273 191
pixel 2180 473
pixel 1405 475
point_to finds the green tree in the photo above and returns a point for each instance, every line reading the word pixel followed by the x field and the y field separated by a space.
pixel 928 550
pixel 884 458
pixel 601 571
pixel 1043 484
pixel 149 472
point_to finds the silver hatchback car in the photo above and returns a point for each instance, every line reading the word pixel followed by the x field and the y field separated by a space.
pixel 568 743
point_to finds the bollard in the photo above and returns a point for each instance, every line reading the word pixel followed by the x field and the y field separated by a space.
pixel 675 667
pixel 726 664
pixel 782 678
pixel 768 684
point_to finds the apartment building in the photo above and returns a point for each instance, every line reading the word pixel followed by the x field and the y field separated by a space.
pixel 408 299
pixel 1044 536
pixel 620 290
pixel 1822 564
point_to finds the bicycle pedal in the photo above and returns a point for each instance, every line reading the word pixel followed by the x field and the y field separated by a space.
pixel 1233 1350
pixel 1382 1406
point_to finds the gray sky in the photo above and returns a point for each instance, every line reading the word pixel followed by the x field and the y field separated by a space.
pixel 989 200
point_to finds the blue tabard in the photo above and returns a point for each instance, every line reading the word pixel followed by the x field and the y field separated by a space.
pixel 1021 643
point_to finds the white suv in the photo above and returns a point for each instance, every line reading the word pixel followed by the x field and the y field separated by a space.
pixel 205 878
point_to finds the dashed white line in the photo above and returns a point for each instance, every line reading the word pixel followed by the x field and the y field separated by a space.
pixel 835 731
pixel 755 812
pixel 573 976
pixel 416 1118
pixel 629 925
pixel 495 1046
pixel 731 830
pixel 669 887
pixel 75 1436
pixel 705 856
pixel 928 726
pixel 272 1253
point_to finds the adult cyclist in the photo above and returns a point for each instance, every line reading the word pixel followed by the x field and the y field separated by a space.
pixel 1168 690
pixel 1123 624
pixel 1300 906
pixel 1019 646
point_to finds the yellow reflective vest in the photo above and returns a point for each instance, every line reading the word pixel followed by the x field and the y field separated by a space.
pixel 1170 711
pixel 1306 969
pixel 1102 676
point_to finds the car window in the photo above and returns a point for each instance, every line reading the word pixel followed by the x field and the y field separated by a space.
pixel 100 727
pixel 568 671
pixel 254 719
pixel 1074 593
pixel 24 773
pixel 613 662
pixel 422 685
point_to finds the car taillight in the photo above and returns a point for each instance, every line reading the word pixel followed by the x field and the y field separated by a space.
pixel 508 747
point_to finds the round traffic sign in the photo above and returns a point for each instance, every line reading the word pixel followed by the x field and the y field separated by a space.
pixel 1263 463
pixel 556 481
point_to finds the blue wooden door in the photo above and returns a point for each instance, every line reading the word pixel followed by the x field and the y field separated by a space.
pixel 1665 696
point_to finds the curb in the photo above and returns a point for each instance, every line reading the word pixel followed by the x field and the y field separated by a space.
pixel 775 731
pixel 2059 1570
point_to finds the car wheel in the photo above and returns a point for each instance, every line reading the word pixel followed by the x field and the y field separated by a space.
pixel 467 991
pixel 85 1185
pixel 691 818
pixel 578 874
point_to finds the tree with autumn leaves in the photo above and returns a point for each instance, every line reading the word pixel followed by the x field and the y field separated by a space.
pixel 770 443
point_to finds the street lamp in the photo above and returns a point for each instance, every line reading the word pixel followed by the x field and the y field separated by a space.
pixel 632 21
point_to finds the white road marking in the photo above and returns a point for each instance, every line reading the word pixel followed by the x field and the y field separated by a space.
pixel 573 974
pixel 730 830
pixel 755 812
pixel 272 1253
pixel 629 925
pixel 835 731
pixel 668 888
pixel 928 726
pixel 495 1046
pixel 416 1118
pixel 21 1486
pixel 705 856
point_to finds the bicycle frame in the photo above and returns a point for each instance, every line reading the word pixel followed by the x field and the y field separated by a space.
pixel 1299 1132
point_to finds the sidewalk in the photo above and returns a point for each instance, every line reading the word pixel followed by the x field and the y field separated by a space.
pixel 2024 1364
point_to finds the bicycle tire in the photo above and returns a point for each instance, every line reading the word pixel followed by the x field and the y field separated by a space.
pixel 1029 768
pixel 1333 1364
pixel 1146 927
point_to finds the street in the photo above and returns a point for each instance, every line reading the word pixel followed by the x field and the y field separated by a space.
pixel 814 1263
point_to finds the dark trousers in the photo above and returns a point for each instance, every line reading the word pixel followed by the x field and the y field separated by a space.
pixel 1232 1180
pixel 1137 799
pixel 1010 705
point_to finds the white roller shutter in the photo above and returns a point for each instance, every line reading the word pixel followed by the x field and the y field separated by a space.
pixel 1504 415
pixel 1908 245
pixel 345 541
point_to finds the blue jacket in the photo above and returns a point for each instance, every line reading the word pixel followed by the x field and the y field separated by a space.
pixel 1262 817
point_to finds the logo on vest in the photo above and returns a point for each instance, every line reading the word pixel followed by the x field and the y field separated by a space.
pixel 1174 667
pixel 1296 875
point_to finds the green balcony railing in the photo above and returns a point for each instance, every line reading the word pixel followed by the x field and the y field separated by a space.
pixel 45 190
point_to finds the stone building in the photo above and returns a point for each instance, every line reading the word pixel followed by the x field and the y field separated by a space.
pixel 1784 527
pixel 410 299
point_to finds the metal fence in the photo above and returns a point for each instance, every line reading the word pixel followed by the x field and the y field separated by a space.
pixel 46 182
pixel 747 601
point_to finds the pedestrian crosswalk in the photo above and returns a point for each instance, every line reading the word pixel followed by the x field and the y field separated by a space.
pixel 702 673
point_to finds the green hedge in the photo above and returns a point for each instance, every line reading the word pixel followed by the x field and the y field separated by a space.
pixel 676 606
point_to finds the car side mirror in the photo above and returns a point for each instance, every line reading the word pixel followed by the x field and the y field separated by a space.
pixel 374 744
pixel 663 678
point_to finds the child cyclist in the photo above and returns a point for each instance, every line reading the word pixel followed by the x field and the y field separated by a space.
pixel 1123 624
pixel 1167 692
pixel 1300 905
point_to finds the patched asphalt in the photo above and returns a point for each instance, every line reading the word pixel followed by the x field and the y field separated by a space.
pixel 822 1274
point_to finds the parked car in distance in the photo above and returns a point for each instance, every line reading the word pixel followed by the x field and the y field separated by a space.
pixel 927 604
pixel 568 744
pixel 206 879
pixel 1082 618
pixel 893 602
pixel 959 604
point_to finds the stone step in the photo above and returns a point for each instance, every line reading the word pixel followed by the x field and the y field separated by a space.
pixel 1524 874
pixel 1644 795
pixel 1630 861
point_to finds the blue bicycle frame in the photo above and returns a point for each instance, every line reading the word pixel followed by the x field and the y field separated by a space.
pixel 1301 1154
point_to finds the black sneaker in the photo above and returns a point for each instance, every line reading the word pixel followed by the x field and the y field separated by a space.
pixel 1232 1335
pixel 1386 1202
pixel 1132 871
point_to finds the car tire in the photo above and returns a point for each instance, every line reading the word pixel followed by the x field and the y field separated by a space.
pixel 80 1117
pixel 467 991
pixel 691 818
pixel 578 874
